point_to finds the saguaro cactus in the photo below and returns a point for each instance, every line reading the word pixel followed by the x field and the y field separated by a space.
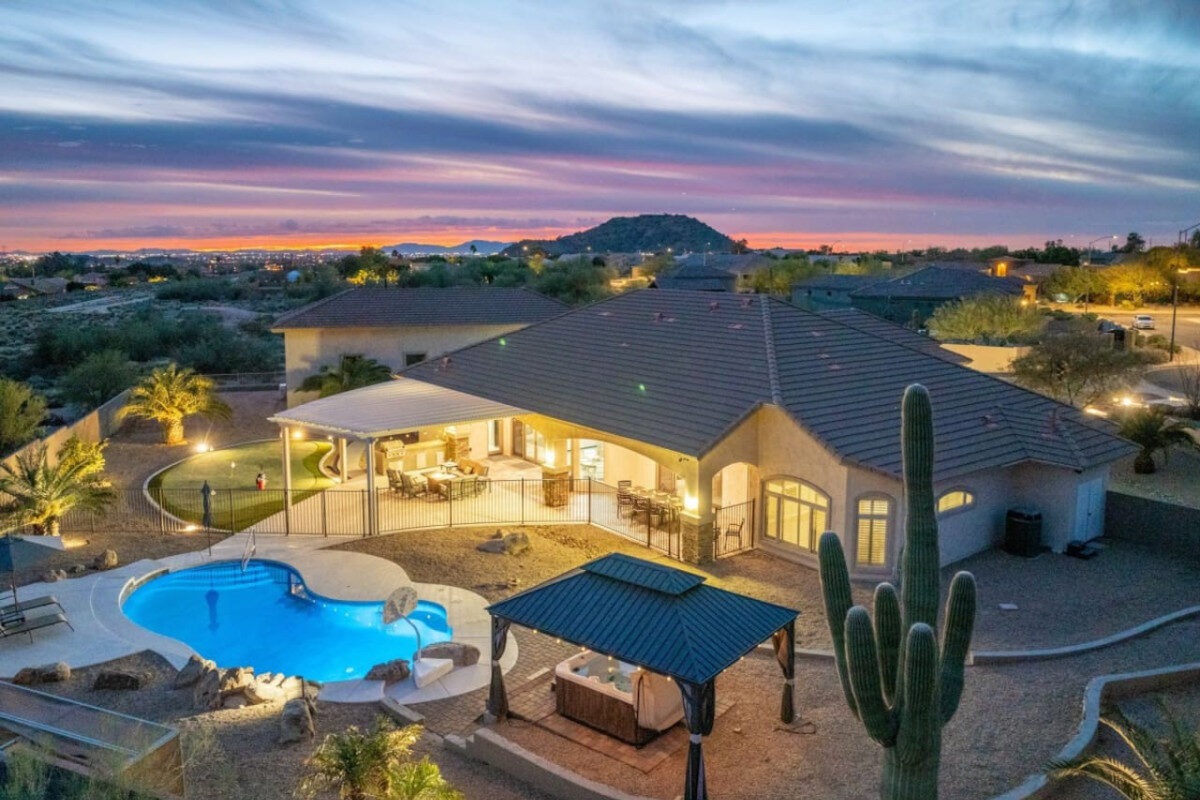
pixel 900 682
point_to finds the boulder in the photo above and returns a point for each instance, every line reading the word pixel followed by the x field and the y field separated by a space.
pixel 53 576
pixel 463 655
pixel 120 679
pixel 236 700
pixel 236 678
pixel 106 560
pixel 76 569
pixel 207 694
pixel 259 692
pixel 265 677
pixel 516 543
pixel 46 673
pixel 191 672
pixel 491 546
pixel 389 671
pixel 295 722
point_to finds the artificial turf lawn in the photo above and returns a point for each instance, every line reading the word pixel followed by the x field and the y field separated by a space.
pixel 177 487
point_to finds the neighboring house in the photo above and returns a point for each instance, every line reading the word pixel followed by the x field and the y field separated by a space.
pixel 41 286
pixel 751 403
pixel 742 266
pixel 914 297
pixel 823 292
pixel 696 277
pixel 91 280
pixel 400 327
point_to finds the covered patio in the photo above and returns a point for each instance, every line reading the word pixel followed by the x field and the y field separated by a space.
pixel 655 618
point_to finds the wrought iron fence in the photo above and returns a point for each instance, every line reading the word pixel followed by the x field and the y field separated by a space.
pixel 733 529
pixel 350 512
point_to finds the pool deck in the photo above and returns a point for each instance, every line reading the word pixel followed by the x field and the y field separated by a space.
pixel 103 632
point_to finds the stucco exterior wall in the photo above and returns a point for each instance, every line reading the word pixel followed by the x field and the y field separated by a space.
pixel 307 350
pixel 965 532
pixel 985 358
pixel 1053 492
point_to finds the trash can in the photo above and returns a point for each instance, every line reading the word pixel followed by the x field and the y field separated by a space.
pixel 1023 532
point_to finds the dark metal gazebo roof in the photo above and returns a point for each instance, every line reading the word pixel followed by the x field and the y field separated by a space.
pixel 664 619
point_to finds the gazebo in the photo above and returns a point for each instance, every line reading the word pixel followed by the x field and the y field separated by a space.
pixel 661 619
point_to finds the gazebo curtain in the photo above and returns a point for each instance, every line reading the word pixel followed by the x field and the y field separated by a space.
pixel 699 711
pixel 497 704
pixel 784 642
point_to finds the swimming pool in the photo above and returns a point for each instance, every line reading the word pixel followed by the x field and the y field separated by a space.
pixel 263 617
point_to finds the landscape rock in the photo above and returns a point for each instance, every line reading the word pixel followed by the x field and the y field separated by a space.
pixel 236 678
pixel 258 693
pixel 296 722
pixel 516 543
pixel 491 546
pixel 106 560
pixel 390 671
pixel 76 569
pixel 53 576
pixel 46 673
pixel 191 672
pixel 265 677
pixel 119 679
pixel 236 700
pixel 463 655
pixel 207 694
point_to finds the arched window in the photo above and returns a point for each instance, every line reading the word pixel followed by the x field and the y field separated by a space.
pixel 796 512
pixel 874 524
pixel 955 500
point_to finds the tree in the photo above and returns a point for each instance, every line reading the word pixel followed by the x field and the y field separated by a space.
pixel 21 414
pixel 1058 253
pixel 169 395
pixel 1152 430
pixel 1077 283
pixel 374 765
pixel 353 371
pixel 99 378
pixel 986 319
pixel 1135 281
pixel 1078 368
pixel 1134 243
pixel 740 247
pixel 41 492
pixel 1170 765
pixel 1188 370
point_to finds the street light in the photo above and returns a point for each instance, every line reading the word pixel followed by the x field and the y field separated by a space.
pixel 1093 241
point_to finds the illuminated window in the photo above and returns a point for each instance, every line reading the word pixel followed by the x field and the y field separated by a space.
pixel 874 519
pixel 796 513
pixel 955 500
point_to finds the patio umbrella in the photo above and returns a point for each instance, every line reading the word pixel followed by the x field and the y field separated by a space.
pixel 206 493
pixel 399 605
pixel 17 552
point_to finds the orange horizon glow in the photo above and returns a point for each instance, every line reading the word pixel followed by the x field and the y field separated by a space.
pixel 853 241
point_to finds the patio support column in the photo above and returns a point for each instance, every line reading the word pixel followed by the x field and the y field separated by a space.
pixel 784 643
pixel 286 432
pixel 699 712
pixel 497 702
pixel 343 460
pixel 696 521
pixel 372 526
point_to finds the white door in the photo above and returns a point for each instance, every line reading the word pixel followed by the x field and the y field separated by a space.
pixel 1089 510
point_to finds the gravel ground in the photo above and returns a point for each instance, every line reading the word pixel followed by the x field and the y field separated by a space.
pixel 1176 481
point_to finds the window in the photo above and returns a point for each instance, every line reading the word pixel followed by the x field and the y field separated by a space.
pixel 796 513
pixel 955 500
pixel 874 523
pixel 494 436
pixel 413 358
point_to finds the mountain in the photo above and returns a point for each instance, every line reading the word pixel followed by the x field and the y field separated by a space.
pixel 483 247
pixel 646 233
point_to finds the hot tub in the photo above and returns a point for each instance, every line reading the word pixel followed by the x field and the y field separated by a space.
pixel 622 700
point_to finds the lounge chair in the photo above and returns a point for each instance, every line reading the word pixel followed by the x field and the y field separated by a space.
pixel 22 624
pixel 413 485
pixel 10 609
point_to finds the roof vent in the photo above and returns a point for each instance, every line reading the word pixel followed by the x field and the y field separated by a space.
pixel 714 305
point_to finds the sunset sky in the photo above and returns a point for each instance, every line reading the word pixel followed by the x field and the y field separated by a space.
pixel 865 123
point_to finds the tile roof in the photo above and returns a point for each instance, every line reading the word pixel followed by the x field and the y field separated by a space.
pixel 877 326
pixel 942 283
pixel 680 369
pixel 839 283
pixel 696 276
pixel 375 307
pixel 691 631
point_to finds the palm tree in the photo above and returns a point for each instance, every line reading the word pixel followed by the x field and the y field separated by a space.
pixel 40 493
pixel 169 395
pixel 374 765
pixel 1170 766
pixel 1151 430
pixel 353 371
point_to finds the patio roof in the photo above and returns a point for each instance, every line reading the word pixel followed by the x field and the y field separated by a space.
pixel 664 619
pixel 392 407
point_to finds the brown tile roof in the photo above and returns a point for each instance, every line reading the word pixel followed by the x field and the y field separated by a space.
pixel 374 307
pixel 680 369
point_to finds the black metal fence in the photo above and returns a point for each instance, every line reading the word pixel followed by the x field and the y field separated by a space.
pixel 733 529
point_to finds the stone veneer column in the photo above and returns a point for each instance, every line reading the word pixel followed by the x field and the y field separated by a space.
pixel 695 539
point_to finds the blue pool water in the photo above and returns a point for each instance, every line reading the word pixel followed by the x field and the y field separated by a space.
pixel 256 619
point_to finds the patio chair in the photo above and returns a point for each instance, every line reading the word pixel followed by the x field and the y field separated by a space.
pixel 453 489
pixel 11 609
pixel 19 624
pixel 734 531
pixel 624 498
pixel 395 481
pixel 413 485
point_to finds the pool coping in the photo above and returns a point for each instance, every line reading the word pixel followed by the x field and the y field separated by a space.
pixel 103 632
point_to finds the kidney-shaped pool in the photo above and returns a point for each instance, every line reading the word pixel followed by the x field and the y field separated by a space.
pixel 263 617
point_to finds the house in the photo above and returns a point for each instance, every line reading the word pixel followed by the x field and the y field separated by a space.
pixel 41 286
pixel 822 292
pixel 915 296
pixel 742 266
pixel 750 403
pixel 401 327
pixel 696 277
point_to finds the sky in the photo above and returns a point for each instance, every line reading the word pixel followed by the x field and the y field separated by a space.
pixel 860 124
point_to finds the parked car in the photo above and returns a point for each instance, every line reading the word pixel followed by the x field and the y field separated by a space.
pixel 1143 322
